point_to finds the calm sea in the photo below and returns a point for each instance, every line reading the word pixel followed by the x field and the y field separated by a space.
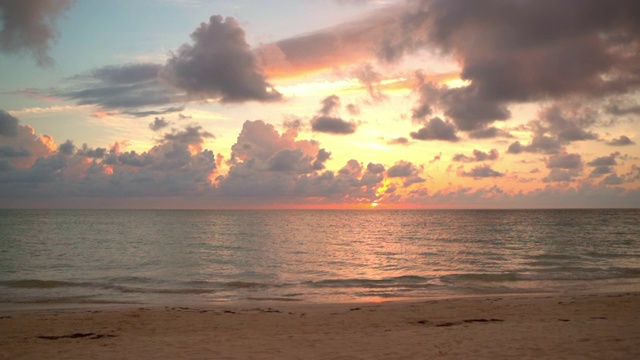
pixel 169 257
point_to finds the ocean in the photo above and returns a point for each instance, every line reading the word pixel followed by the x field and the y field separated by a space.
pixel 156 257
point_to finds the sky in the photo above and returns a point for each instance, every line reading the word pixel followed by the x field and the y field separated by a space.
pixel 363 104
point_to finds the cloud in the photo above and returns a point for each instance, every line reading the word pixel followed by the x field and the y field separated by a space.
pixel 609 160
pixel 623 140
pixel 436 129
pixel 398 141
pixel 190 135
pixel 269 167
pixel 488 133
pixel 477 156
pixel 158 124
pixel 539 144
pixel 218 64
pixel 327 48
pixel 332 125
pixel 481 171
pixel 129 87
pixel 559 175
pixel 406 170
pixel 519 51
pixel 326 123
pixel 371 80
pixel 8 124
pixel 564 161
pixel 321 158
pixel 168 110
pixel 29 26
pixel 613 179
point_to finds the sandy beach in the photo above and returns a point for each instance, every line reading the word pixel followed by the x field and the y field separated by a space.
pixel 602 326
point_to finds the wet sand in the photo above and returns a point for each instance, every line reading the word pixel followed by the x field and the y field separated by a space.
pixel 599 326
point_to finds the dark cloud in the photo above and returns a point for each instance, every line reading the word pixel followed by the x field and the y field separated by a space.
pixel 560 175
pixel 29 26
pixel 330 105
pixel 481 171
pixel 600 170
pixel 124 74
pixel 190 135
pixel 539 144
pixel 406 170
pixel 436 129
pixel 168 110
pixel 616 109
pixel 11 152
pixel 520 51
pixel 158 124
pixel 402 169
pixel 67 148
pixel 375 168
pixel 399 141
pixel 333 125
pixel 97 153
pixel 477 156
pixel 567 122
pixel 613 179
pixel 292 161
pixel 489 133
pixel 8 124
pixel 327 122
pixel 219 64
pixel 623 140
pixel 564 161
pixel 321 158
pixel 129 87
pixel 605 160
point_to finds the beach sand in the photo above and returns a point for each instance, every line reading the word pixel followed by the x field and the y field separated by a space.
pixel 601 326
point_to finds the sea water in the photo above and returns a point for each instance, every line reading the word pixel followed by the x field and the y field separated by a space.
pixel 169 257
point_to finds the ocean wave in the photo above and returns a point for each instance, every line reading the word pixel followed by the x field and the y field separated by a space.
pixel 39 284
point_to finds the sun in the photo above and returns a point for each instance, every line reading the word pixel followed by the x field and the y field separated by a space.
pixel 374 204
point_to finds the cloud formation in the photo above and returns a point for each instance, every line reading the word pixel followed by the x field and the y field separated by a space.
pixel 436 129
pixel 520 51
pixel 219 64
pixel 29 26
pixel 126 87
pixel 327 122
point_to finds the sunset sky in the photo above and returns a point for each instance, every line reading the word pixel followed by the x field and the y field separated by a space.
pixel 319 103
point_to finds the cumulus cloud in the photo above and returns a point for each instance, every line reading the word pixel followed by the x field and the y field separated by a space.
pixel 269 166
pixel 158 124
pixel 623 140
pixel 481 171
pixel 609 160
pixel 436 129
pixel 332 125
pixel 477 156
pixel 8 124
pixel 406 170
pixel 29 26
pixel 520 51
pixel 219 64
pixel 489 133
pixel 326 122
pixel 564 161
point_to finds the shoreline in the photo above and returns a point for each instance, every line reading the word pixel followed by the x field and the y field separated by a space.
pixel 606 325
